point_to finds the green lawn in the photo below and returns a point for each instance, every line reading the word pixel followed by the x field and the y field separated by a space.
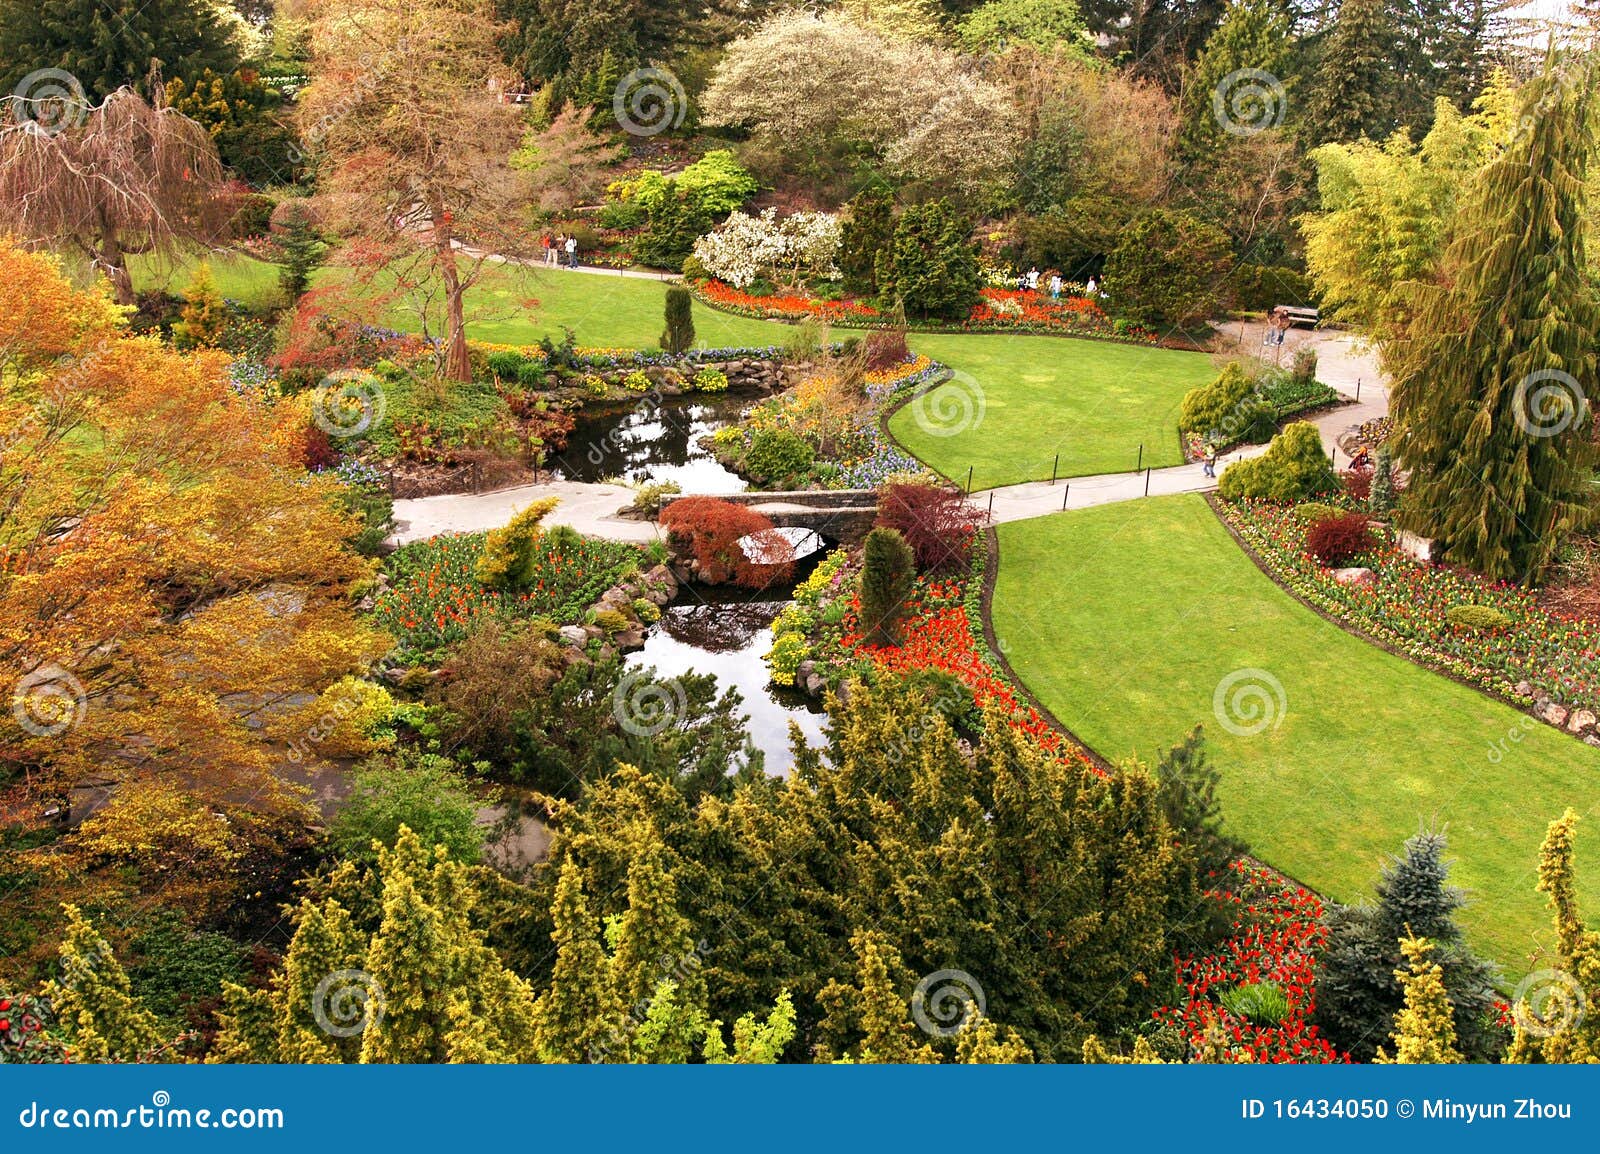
pixel 1094 402
pixel 238 277
pixel 1125 618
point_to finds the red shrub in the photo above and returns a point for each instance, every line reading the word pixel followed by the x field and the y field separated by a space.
pixel 1357 482
pixel 712 530
pixel 318 451
pixel 1336 541
pixel 936 521
pixel 886 348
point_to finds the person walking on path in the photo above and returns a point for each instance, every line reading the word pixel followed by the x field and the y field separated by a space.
pixel 1210 459
pixel 1033 279
pixel 548 245
pixel 1055 286
pixel 572 252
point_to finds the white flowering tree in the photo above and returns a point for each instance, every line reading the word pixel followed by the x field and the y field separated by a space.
pixel 788 249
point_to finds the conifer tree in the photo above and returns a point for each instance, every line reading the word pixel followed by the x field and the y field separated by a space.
pixel 867 233
pixel 678 336
pixel 581 1016
pixel 94 1002
pixel 300 252
pixel 1424 1030
pixel 875 1010
pixel 888 574
pixel 981 1044
pixel 755 1040
pixel 654 941
pixel 1491 384
pixel 1354 94
pixel 204 315
pixel 1381 497
pixel 1563 1026
pixel 1238 81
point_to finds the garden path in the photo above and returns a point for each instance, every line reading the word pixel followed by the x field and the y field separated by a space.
pixel 590 509
pixel 1343 361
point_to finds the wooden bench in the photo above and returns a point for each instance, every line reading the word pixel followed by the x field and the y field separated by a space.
pixel 1300 316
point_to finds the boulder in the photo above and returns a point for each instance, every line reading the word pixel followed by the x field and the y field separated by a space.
pixel 1581 720
pixel 1555 714
pixel 815 685
pixel 1357 575
pixel 574 635
pixel 804 670
pixel 629 639
pixel 1419 547
pixel 1523 689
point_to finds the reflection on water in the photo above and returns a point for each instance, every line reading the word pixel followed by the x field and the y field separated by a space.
pixel 651 441
pixel 727 633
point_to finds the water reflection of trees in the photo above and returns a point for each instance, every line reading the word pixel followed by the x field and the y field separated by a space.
pixel 719 626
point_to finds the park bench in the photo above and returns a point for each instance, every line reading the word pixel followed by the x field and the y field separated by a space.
pixel 1300 316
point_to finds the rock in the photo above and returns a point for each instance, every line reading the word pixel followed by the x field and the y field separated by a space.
pixel 629 639
pixel 574 635
pixel 1581 720
pixel 593 632
pixel 844 693
pixel 1524 689
pixel 575 657
pixel 1419 547
pixel 815 685
pixel 1555 714
pixel 1591 739
pixel 804 670
pixel 605 654
pixel 1355 576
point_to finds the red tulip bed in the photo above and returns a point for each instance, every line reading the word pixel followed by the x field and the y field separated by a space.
pixel 1278 932
pixel 1405 607
pixel 998 310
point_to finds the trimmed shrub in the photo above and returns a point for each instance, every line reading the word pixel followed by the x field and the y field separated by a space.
pixel 1293 468
pixel 1336 541
pixel 678 336
pixel 613 621
pixel 1477 618
pixel 1310 512
pixel 777 454
pixel 888 574
pixel 1215 410
pixel 507 559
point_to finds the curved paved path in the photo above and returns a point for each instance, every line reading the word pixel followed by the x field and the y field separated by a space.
pixel 590 509
pixel 1342 362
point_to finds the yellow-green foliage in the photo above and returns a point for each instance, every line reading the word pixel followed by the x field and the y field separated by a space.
pixel 351 718
pixel 1293 468
pixel 1313 511
pixel 508 553
pixel 788 651
pixel 810 591
pixel 636 382
pixel 612 620
pixel 1207 408
pixel 1477 618
pixel 711 381
pixel 1424 1029
pixel 646 611
pixel 205 314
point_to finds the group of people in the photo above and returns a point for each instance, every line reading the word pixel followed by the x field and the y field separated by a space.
pixel 559 246
pixel 1029 282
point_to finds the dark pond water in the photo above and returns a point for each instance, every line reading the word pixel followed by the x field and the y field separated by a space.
pixel 652 441
pixel 727 633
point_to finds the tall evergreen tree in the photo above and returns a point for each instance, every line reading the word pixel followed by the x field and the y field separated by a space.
pixel 582 1015
pixel 94 1002
pixel 1491 384
pixel 888 573
pixel 1424 1029
pixel 1354 91
pixel 1238 85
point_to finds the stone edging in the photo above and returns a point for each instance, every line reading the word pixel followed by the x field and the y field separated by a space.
pixel 1260 563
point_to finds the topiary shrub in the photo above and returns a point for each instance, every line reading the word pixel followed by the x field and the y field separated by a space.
pixel 1338 540
pixel 1310 512
pixel 776 455
pixel 888 573
pixel 1213 411
pixel 1477 619
pixel 1293 468
pixel 507 558
pixel 678 336
pixel 711 381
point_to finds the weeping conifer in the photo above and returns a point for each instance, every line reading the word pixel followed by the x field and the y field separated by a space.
pixel 1491 383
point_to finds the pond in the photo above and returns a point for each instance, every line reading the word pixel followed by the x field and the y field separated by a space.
pixel 652 441
pixel 727 632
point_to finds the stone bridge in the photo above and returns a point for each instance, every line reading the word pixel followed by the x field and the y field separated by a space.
pixel 844 516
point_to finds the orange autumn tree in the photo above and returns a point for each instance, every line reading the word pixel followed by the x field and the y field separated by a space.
pixel 171 579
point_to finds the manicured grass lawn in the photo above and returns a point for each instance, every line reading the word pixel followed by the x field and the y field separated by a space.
pixel 1125 618
pixel 238 277
pixel 513 307
pixel 1094 402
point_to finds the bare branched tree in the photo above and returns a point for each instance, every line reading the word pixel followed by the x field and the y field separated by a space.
pixel 131 177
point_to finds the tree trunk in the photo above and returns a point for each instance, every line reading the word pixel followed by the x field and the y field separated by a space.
pixel 112 261
pixel 456 365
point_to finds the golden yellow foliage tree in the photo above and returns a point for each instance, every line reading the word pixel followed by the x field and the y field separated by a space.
pixel 1424 1029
